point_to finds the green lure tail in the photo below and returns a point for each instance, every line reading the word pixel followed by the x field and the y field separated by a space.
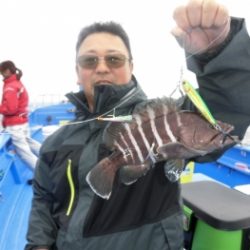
pixel 125 118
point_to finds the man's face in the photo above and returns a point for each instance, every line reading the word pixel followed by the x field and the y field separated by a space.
pixel 105 48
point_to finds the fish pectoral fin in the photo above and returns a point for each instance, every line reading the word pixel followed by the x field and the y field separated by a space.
pixel 176 150
pixel 101 177
pixel 130 173
pixel 173 169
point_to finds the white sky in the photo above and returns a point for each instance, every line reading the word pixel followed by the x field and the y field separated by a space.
pixel 40 36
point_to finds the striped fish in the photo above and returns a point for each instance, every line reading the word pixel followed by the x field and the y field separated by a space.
pixel 157 132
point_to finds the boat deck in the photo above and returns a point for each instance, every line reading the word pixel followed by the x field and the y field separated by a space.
pixel 15 200
pixel 15 193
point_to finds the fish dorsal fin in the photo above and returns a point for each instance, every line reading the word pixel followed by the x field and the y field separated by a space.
pixel 160 106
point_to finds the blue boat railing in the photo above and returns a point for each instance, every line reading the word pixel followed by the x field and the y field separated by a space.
pixel 232 168
pixel 52 115
pixel 237 158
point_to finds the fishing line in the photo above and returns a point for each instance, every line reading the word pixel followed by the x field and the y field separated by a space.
pixel 132 92
pixel 123 100
pixel 185 87
pixel 210 43
pixel 186 58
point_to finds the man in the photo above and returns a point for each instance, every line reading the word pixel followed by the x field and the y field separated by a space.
pixel 65 213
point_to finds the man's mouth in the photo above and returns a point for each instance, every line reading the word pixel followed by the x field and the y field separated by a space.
pixel 103 82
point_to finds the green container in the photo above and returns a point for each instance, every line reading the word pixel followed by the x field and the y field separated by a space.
pixel 188 218
pixel 210 238
pixel 215 217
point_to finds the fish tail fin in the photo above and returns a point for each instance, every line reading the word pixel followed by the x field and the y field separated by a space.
pixel 101 178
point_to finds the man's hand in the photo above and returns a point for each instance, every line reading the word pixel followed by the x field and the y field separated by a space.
pixel 202 25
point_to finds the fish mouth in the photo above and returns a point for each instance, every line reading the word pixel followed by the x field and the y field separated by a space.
pixel 223 138
pixel 223 135
pixel 230 139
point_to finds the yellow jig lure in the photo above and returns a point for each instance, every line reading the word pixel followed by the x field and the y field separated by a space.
pixel 196 99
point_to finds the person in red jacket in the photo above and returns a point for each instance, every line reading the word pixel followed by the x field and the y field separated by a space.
pixel 14 109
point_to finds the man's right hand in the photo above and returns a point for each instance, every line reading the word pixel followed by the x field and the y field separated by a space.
pixel 201 25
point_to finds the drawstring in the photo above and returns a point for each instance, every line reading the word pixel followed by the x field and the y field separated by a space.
pixel 72 188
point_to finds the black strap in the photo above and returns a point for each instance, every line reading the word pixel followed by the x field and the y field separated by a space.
pixel 245 245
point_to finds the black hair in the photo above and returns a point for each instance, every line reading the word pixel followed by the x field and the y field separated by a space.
pixel 108 27
pixel 11 66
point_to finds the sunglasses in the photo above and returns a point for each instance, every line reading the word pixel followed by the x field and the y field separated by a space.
pixel 112 61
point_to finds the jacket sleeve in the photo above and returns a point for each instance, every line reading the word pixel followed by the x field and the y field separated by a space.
pixel 42 231
pixel 224 81
pixel 224 78
pixel 9 104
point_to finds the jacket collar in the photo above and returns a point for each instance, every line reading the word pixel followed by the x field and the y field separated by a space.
pixel 107 98
pixel 10 79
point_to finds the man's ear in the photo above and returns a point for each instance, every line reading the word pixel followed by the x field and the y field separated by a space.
pixel 77 73
pixel 76 69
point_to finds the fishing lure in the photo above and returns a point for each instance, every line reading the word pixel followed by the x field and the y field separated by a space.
pixel 112 118
pixel 197 100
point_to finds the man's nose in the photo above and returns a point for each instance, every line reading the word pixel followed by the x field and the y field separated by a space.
pixel 102 65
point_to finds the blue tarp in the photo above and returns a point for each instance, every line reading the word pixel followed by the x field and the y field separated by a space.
pixel 15 198
pixel 15 193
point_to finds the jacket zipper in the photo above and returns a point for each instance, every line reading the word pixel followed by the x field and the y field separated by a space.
pixel 72 187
